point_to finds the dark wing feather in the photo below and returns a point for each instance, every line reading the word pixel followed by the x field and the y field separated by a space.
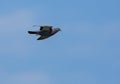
pixel 46 28
pixel 42 37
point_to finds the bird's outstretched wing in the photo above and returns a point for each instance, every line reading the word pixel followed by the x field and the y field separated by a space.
pixel 46 28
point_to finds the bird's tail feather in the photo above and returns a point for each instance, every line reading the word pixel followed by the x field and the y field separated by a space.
pixel 32 32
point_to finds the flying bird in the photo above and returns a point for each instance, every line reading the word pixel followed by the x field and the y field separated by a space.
pixel 45 32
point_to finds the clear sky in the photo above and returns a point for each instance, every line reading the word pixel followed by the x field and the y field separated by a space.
pixel 86 51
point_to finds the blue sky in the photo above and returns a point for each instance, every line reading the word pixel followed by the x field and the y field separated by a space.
pixel 87 51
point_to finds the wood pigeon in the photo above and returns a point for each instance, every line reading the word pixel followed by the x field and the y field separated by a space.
pixel 45 32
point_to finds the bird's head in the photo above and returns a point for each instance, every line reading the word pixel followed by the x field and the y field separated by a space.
pixel 57 29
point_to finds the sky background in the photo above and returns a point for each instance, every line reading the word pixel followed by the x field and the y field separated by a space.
pixel 86 51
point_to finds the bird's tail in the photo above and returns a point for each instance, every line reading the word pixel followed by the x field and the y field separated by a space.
pixel 32 32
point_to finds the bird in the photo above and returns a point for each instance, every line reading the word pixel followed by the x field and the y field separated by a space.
pixel 45 32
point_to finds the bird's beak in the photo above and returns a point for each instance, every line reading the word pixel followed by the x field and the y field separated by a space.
pixel 60 30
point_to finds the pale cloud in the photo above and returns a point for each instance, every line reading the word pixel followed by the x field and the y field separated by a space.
pixel 3 75
pixel 13 34
pixel 26 78
pixel 79 27
pixel 116 64
pixel 15 23
pixel 16 19
pixel 81 77
pixel 111 30
pixel 76 49
pixel 91 40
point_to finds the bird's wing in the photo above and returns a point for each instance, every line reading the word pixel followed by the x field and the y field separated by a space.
pixel 46 28
pixel 42 37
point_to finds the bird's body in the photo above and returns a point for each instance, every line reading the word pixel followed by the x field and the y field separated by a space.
pixel 45 32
